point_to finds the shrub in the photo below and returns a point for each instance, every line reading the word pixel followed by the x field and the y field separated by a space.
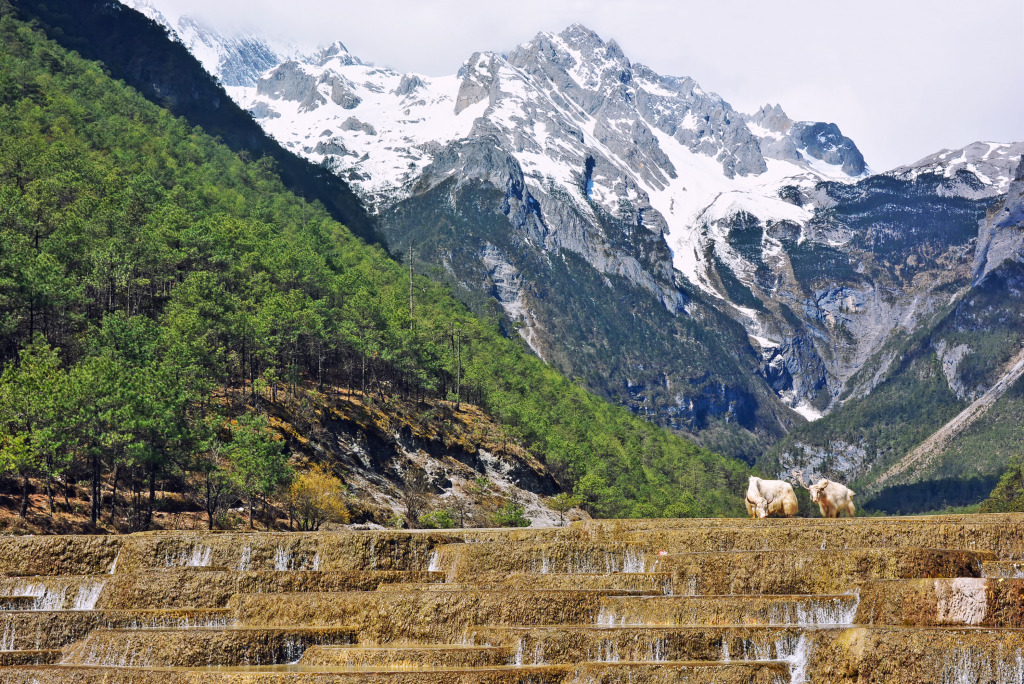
pixel 562 503
pixel 438 520
pixel 510 515
pixel 317 497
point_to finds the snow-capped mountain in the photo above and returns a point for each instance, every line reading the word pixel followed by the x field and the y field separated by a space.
pixel 704 266
pixel 578 118
pixel 992 163
pixel 237 60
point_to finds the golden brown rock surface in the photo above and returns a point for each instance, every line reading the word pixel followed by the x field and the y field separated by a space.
pixel 893 600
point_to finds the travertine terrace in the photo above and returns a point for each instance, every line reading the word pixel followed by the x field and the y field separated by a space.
pixel 931 599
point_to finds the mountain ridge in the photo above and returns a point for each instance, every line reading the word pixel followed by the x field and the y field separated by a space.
pixel 735 274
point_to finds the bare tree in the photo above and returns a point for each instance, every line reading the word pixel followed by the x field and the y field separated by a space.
pixel 460 508
pixel 415 491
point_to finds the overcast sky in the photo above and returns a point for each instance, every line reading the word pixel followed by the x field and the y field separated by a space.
pixel 903 78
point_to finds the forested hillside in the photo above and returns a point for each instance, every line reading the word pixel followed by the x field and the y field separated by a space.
pixel 139 52
pixel 158 292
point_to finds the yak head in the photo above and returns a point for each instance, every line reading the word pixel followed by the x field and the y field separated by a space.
pixel 817 489
pixel 761 508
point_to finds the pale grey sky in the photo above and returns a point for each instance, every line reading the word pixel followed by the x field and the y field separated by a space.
pixel 903 78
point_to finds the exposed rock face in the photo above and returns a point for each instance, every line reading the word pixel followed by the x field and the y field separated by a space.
pixel 825 142
pixel 1001 236
pixel 261 110
pixel 354 124
pixel 341 91
pixel 289 81
pixel 618 190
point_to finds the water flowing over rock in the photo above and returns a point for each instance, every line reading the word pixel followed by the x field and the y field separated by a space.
pixel 795 600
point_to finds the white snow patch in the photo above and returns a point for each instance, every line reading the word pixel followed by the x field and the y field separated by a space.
pixel 763 342
pixel 807 411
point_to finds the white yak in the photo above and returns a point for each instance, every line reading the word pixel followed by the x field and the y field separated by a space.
pixel 770 498
pixel 832 498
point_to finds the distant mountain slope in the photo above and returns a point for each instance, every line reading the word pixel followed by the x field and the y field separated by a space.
pixel 173 299
pixel 136 50
pixel 719 272
pixel 925 453
pixel 940 405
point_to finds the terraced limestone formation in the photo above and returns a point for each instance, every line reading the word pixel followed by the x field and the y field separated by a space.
pixel 904 600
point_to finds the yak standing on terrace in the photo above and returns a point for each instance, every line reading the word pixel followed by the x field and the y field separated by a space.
pixel 771 498
pixel 832 498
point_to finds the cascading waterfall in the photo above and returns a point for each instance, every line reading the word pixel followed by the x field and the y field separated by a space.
pixel 608 651
pixel 88 594
pixel 656 650
pixel 201 556
pixel 44 598
pixel 113 566
pixel 997 571
pixel 435 562
pixel 292 650
pixel 198 556
pixel 797 661
pixel 246 559
pixel 761 651
pixel 966 666
pixel 837 610
pixel 282 559
pixel 7 640
pixel 286 560
pixel 634 562
pixel 606 618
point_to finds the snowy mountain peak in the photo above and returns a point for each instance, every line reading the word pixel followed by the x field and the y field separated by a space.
pixel 336 52
pixel 579 119
pixel 563 163
pixel 772 119
pixel 236 60
pixel 586 129
pixel 991 163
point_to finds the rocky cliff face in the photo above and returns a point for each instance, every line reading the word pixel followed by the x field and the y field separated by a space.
pixel 1001 236
pixel 932 416
pixel 694 262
